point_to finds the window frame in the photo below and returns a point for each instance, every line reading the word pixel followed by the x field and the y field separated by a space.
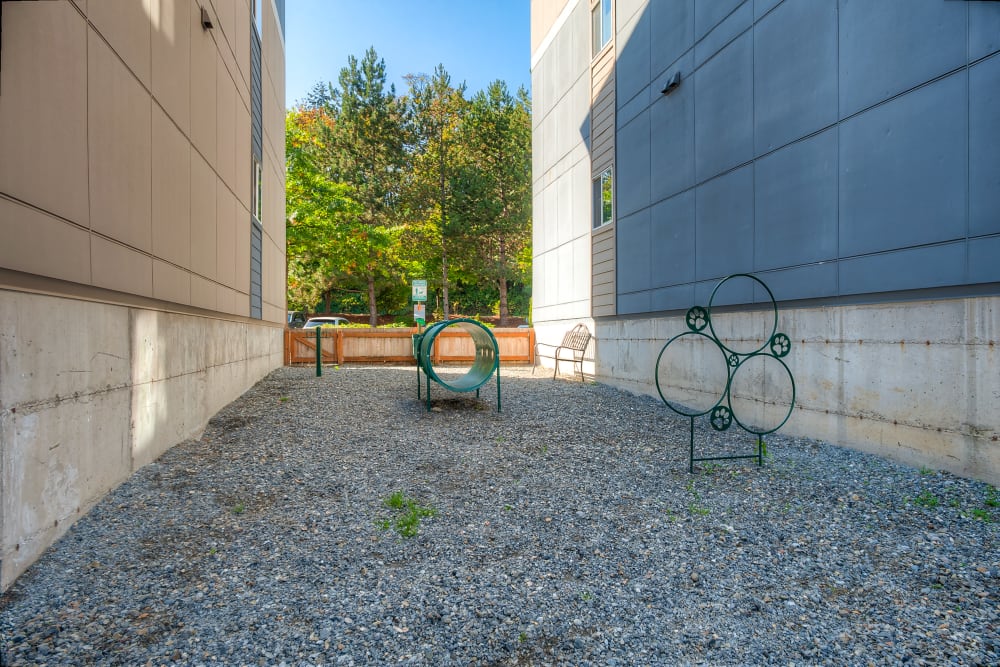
pixel 257 7
pixel 257 192
pixel 604 211
pixel 599 11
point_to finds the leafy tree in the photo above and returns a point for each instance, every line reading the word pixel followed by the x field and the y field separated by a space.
pixel 493 193
pixel 436 112
pixel 369 158
pixel 320 211
pixel 381 187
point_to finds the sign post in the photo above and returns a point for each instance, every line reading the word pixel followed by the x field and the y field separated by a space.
pixel 419 295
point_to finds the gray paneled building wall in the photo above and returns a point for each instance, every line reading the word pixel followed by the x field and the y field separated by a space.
pixel 833 148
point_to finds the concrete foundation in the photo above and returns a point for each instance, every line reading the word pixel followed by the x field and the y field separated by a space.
pixel 90 392
pixel 918 382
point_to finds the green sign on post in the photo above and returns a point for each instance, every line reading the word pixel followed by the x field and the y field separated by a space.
pixel 419 290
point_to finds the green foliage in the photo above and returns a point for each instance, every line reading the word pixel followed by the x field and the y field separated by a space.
pixel 982 515
pixel 437 110
pixel 344 160
pixel 383 189
pixel 697 510
pixel 493 191
pixel 408 514
pixel 927 499
pixel 991 497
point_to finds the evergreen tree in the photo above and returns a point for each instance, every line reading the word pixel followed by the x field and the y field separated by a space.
pixel 368 135
pixel 493 194
pixel 436 112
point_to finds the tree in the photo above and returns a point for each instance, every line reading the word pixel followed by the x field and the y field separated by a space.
pixel 369 158
pixel 493 193
pixel 436 112
pixel 320 211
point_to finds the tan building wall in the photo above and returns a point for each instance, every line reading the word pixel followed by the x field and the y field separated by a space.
pixel 125 199
pixel 543 18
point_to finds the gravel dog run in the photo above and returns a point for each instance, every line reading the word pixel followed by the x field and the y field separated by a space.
pixel 565 530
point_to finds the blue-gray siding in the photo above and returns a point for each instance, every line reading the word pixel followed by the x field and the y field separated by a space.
pixel 834 148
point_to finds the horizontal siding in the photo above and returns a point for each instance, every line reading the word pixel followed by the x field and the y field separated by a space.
pixel 602 155
pixel 602 114
pixel 603 69
pixel 603 256
pixel 606 301
pixel 603 242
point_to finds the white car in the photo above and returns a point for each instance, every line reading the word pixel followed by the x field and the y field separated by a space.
pixel 313 322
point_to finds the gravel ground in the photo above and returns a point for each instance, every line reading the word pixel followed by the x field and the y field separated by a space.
pixel 565 530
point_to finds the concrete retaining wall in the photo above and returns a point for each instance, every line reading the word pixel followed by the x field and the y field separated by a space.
pixel 918 382
pixel 90 392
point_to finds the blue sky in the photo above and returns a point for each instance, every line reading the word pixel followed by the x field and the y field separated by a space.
pixel 477 41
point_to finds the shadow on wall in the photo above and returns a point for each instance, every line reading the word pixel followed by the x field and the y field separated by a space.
pixel 803 161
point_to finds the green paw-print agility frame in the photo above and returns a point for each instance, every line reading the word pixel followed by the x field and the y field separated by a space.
pixel 722 415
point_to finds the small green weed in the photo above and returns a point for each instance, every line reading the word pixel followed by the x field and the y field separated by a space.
pixel 955 502
pixel 284 399
pixel 694 508
pixel 544 450
pixel 710 468
pixel 983 515
pixel 924 470
pixel 927 499
pixel 396 501
pixel 239 508
pixel 992 499
pixel 521 638
pixel 408 514
pixel 507 508
pixel 586 596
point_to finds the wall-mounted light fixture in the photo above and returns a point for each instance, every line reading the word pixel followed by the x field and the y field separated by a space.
pixel 672 83
pixel 206 19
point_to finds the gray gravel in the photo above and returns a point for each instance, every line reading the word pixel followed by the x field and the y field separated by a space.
pixel 565 530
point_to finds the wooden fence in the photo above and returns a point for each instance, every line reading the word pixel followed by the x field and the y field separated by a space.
pixel 350 345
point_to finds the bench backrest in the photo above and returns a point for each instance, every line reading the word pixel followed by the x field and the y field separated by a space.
pixel 577 338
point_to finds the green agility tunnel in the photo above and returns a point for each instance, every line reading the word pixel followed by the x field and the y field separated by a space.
pixel 485 364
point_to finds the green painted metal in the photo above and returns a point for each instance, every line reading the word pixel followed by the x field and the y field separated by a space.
pixel 485 365
pixel 319 352
pixel 721 415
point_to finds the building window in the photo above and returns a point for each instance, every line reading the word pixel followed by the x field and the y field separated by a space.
pixel 258 16
pixel 604 199
pixel 257 194
pixel 600 14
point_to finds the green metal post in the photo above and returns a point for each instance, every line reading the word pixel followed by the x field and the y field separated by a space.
pixel 319 352
pixel 691 450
